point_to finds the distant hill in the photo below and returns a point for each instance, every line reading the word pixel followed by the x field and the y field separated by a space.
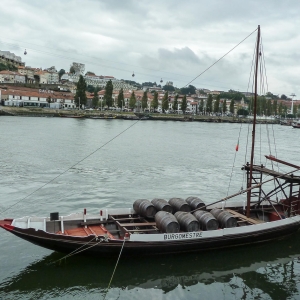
pixel 4 65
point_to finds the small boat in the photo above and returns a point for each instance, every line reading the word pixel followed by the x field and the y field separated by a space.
pixel 71 116
pixel 179 225
pixel 286 123
pixel 296 125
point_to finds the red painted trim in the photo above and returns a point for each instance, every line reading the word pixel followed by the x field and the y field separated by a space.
pixel 8 227
pixel 5 222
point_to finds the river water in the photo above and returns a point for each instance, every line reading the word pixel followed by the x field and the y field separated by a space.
pixel 66 165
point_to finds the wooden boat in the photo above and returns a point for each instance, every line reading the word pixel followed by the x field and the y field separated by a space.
pixel 151 228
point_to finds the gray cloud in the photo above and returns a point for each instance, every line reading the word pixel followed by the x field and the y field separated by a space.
pixel 173 40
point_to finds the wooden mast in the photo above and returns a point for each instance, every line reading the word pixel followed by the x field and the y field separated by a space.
pixel 254 124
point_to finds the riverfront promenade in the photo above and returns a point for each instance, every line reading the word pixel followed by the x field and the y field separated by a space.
pixel 46 112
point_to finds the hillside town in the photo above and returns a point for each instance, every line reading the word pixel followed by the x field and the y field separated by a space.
pixel 26 86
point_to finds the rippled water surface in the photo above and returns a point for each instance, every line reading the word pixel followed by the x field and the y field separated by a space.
pixel 52 164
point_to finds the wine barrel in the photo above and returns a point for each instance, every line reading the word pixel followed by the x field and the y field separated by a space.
pixel 166 222
pixel 178 204
pixel 144 208
pixel 207 220
pixel 161 204
pixel 187 221
pixel 216 211
pixel 227 220
pixel 194 202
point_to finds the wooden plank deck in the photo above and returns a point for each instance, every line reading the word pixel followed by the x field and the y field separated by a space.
pixel 244 218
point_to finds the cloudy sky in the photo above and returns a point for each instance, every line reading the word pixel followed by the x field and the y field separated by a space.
pixel 172 40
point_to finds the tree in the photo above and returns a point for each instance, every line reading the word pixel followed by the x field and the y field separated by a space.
pixel 95 100
pixel 201 106
pixel 61 73
pixel 275 107
pixel 80 96
pixel 224 107
pixel 175 103
pixel 154 103
pixel 132 100
pixel 144 100
pixel 209 104
pixel 72 70
pixel 283 97
pixel 269 110
pixel 169 88
pixel 231 107
pixel 243 112
pixel 165 102
pixel 188 90
pixel 217 104
pixel 121 98
pixel 49 99
pixel 184 104
pixel 280 108
pixel 108 94
pixel 90 88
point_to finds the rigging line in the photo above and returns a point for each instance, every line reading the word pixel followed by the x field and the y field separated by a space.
pixel 70 167
pixel 221 57
pixel 73 252
pixel 114 270
pixel 234 160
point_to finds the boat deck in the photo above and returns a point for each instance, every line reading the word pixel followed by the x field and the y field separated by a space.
pixel 87 230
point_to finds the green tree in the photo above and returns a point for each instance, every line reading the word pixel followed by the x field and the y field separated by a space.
pixel 188 90
pixel 269 108
pixel 201 106
pixel 61 73
pixel 224 106
pixel 231 107
pixel 72 70
pixel 184 104
pixel 209 104
pixel 95 100
pixel 132 100
pixel 80 96
pixel 168 88
pixel 90 88
pixel 154 102
pixel 108 94
pixel 280 109
pixel 121 98
pixel 175 103
pixel 243 112
pixel 49 99
pixel 217 104
pixel 144 100
pixel 275 107
pixel 165 102
pixel 283 97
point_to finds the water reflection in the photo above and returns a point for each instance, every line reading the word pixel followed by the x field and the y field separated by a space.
pixel 268 271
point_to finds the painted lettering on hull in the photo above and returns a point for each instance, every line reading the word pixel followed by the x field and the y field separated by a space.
pixel 182 236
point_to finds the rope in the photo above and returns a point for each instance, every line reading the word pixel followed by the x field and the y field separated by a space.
pixel 220 58
pixel 234 161
pixel 76 251
pixel 114 270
